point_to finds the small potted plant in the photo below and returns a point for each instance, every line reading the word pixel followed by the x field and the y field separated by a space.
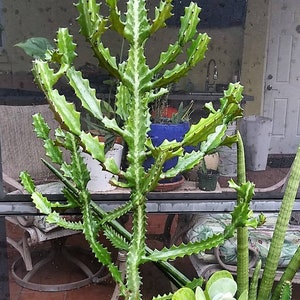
pixel 168 123
pixel 207 178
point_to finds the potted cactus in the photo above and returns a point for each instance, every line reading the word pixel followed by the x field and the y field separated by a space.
pixel 138 87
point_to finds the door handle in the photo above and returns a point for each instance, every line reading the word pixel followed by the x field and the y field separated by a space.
pixel 270 88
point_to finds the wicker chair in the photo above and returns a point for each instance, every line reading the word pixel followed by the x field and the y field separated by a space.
pixel 22 150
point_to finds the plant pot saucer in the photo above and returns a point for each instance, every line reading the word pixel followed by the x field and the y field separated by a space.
pixel 169 186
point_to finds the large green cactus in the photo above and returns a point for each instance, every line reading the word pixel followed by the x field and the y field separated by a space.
pixel 138 86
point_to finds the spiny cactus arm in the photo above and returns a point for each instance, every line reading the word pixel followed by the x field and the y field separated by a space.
pixel 89 14
pixel 46 207
pixel 42 131
pixel 185 249
pixel 175 275
pixel 208 131
pixel 153 174
pixel 241 216
pixel 242 232
pixel 89 225
pixel 162 13
pixel 115 17
pixel 137 28
pixel 232 96
pixel 195 52
pixel 186 162
pixel 84 92
pixel 71 117
pixel 91 230
pixel 116 213
pixel 46 78
pixel 165 59
pixel 189 22
pixel 92 26
pixel 136 77
pixel 280 229
pixel 137 246
pixel 230 110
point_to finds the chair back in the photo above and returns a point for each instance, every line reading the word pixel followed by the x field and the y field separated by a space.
pixel 20 148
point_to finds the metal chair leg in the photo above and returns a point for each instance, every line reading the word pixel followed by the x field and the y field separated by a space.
pixel 122 267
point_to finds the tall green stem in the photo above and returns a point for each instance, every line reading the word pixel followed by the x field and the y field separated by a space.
pixel 280 230
pixel 242 232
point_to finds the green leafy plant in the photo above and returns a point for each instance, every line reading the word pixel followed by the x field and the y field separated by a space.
pixel 139 86
pixel 265 288
pixel 161 112
pixel 220 286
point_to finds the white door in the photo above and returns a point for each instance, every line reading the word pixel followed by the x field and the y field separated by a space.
pixel 282 78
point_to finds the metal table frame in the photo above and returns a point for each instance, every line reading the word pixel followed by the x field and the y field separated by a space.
pixel 183 202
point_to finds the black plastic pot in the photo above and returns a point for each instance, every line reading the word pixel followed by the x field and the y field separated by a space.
pixel 208 180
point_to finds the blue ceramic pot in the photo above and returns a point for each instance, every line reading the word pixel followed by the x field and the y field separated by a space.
pixel 160 132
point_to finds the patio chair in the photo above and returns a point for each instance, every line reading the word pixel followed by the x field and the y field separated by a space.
pixel 224 256
pixel 22 150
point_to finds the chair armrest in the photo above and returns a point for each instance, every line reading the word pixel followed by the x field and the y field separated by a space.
pixel 12 185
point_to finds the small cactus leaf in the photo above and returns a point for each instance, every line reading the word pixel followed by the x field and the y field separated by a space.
pixel 66 111
pixel 162 13
pixel 137 28
pixel 66 46
pixel 115 17
pixel 93 146
pixel 197 50
pixel 86 94
pixel 87 8
pixel 27 182
pixel 56 218
pixel 184 293
pixel 44 75
pixel 111 166
pixel 53 151
pixel 189 23
pixel 41 128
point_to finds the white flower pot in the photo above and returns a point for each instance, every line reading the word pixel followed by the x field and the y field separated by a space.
pixel 100 179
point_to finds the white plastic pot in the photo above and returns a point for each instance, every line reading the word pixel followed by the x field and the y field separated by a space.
pixel 100 179
pixel 256 132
